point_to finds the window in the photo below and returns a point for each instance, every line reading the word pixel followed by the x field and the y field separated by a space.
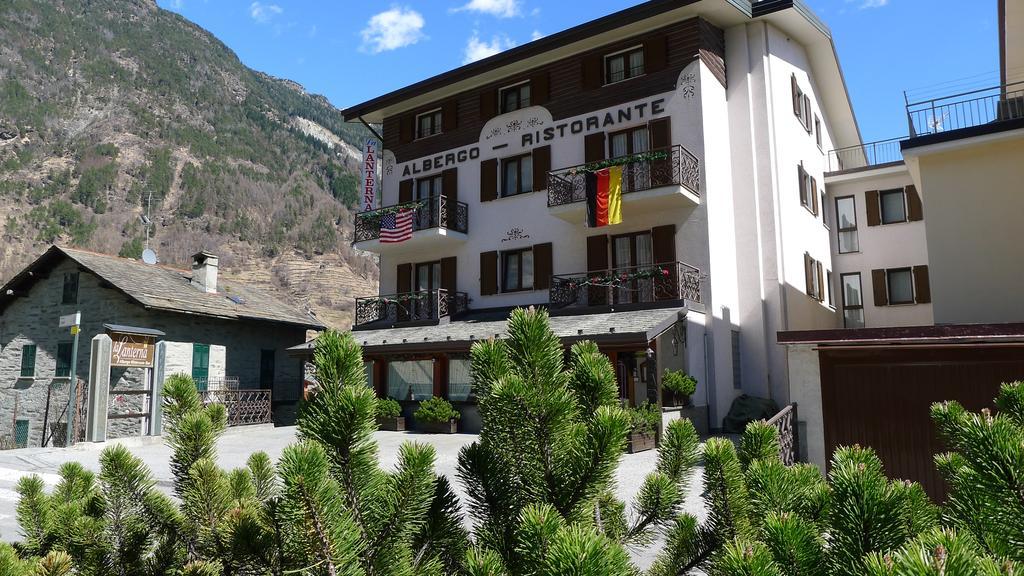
pixel 517 175
pixel 893 206
pixel 737 372
pixel 900 284
pixel 411 380
pixel 808 190
pixel 624 65
pixel 853 301
pixel 828 284
pixel 824 212
pixel 807 114
pixel 515 97
pixel 428 124
pixel 460 383
pixel 814 275
pixel 517 270
pixel 201 365
pixel 429 187
pixel 63 360
pixel 21 433
pixel 70 295
pixel 798 99
pixel 846 219
pixel 28 361
pixel 817 131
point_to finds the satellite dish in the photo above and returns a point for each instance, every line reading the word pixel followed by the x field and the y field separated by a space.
pixel 148 256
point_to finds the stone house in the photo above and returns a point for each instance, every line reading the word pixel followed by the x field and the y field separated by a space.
pixel 218 333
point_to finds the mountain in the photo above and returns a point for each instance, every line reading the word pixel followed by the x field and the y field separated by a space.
pixel 114 109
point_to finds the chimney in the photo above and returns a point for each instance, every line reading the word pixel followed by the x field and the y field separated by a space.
pixel 204 272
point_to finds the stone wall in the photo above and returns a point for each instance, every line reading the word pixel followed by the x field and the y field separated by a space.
pixel 33 320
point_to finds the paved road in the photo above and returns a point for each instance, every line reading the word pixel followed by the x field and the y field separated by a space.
pixel 236 444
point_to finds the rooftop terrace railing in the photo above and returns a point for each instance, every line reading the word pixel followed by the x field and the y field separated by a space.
pixel 966 109
pixel 865 155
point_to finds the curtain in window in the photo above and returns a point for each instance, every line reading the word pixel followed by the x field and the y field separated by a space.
pixel 459 381
pixel 368 369
pixel 411 380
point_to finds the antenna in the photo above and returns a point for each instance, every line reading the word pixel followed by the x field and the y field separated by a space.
pixel 148 256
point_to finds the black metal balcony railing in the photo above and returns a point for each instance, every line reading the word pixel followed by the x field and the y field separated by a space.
pixel 433 212
pixel 966 109
pixel 865 155
pixel 635 285
pixel 424 305
pixel 666 167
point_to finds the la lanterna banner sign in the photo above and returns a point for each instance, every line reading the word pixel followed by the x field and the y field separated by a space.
pixel 132 350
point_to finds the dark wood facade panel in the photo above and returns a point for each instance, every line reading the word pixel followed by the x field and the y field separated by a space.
pixel 565 92
pixel 881 399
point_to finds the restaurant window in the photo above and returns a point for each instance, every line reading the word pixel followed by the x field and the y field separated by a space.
pixel 70 294
pixel 63 360
pixel 411 379
pixel 846 225
pixel 428 123
pixel 624 65
pixel 853 300
pixel 460 383
pixel 517 175
pixel 900 284
pixel 893 206
pixel 515 97
pixel 517 270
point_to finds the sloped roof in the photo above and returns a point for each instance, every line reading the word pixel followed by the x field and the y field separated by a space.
pixel 163 288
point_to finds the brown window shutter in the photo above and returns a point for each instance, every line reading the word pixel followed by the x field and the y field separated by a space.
pixel 915 211
pixel 801 181
pixel 808 272
pixel 488 104
pixel 405 191
pixel 878 285
pixel 403 282
pixel 663 244
pixel 922 285
pixel 873 210
pixel 448 274
pixel 597 253
pixel 593 75
pixel 406 129
pixel 661 133
pixel 807 113
pixel 814 196
pixel 821 282
pixel 488 180
pixel 656 54
pixel 450 116
pixel 450 184
pixel 488 273
pixel 542 266
pixel 541 167
pixel 540 88
pixel 797 103
pixel 593 147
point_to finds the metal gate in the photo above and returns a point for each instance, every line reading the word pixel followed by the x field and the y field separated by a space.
pixel 881 398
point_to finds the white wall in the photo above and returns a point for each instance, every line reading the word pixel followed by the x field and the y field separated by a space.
pixel 805 390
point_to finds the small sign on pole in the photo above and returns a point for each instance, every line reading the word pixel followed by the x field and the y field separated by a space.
pixel 70 320
pixel 371 153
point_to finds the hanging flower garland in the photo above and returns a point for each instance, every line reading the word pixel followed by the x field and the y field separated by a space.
pixel 621 161
pixel 618 279
pixel 414 205
pixel 400 299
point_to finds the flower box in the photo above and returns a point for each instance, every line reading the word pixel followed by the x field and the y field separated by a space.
pixel 449 427
pixel 639 442
pixel 391 423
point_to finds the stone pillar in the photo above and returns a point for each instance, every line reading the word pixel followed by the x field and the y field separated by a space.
pixel 99 388
pixel 156 404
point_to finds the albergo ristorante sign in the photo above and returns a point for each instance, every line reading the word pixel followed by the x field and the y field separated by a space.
pixel 628 114
pixel 132 350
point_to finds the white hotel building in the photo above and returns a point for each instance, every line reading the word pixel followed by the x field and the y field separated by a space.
pixel 728 109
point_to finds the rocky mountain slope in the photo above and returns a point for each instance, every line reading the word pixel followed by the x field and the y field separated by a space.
pixel 114 109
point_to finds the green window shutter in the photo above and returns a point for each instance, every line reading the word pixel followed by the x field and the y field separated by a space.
pixel 21 433
pixel 28 360
pixel 201 365
pixel 63 360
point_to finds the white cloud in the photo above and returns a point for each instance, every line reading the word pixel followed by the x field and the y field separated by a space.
pixel 263 13
pixel 537 35
pixel 392 29
pixel 477 49
pixel 177 4
pixel 312 31
pixel 499 8
pixel 866 4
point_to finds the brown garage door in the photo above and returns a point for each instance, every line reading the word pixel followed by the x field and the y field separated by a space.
pixel 881 398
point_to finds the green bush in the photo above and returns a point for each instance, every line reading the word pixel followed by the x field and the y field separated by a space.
pixel 644 419
pixel 436 410
pixel 388 408
pixel 679 382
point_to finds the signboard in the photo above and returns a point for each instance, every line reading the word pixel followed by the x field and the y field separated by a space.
pixel 132 350
pixel 70 320
pixel 371 153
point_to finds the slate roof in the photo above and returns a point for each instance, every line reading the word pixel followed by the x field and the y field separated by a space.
pixel 626 327
pixel 163 288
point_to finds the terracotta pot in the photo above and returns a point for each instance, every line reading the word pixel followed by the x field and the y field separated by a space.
pixel 449 427
pixel 391 423
pixel 640 442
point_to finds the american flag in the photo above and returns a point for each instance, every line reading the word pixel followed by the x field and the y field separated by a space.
pixel 396 227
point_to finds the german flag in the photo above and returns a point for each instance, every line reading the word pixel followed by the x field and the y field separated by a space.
pixel 604 197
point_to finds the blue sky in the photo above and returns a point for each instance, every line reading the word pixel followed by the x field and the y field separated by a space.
pixel 352 51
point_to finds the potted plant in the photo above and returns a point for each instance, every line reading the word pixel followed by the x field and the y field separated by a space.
pixel 644 421
pixel 389 415
pixel 436 416
pixel 678 386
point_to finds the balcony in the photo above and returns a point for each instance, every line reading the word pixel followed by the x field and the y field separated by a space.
pixel 651 182
pixel 864 156
pixel 437 223
pixel 992 108
pixel 640 286
pixel 425 307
